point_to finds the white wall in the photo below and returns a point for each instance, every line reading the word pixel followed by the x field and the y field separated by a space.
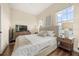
pixel 5 24
pixel 22 18
pixel 76 27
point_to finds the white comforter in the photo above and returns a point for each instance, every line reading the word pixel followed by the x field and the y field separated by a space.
pixel 36 44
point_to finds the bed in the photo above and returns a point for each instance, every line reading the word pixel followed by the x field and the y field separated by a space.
pixel 34 45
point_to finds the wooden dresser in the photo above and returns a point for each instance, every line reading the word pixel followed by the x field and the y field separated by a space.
pixel 22 33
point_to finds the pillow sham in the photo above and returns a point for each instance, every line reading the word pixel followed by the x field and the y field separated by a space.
pixel 43 33
pixel 50 33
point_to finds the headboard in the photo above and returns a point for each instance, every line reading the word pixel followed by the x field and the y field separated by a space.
pixel 50 28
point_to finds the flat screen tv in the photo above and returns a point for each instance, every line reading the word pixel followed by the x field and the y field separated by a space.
pixel 20 28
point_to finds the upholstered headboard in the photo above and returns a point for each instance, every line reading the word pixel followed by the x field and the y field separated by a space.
pixel 45 28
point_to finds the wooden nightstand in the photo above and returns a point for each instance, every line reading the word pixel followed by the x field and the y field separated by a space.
pixel 65 43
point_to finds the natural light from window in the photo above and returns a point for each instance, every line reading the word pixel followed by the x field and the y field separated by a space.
pixel 65 21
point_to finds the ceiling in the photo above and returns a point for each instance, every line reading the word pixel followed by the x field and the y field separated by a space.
pixel 31 8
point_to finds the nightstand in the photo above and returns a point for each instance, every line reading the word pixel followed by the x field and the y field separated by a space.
pixel 65 43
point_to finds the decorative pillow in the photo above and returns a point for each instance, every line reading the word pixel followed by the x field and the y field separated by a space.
pixel 43 33
pixel 50 33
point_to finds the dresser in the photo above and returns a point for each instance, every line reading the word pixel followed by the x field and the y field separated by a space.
pixel 22 33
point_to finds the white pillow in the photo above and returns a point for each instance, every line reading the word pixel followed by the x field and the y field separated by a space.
pixel 43 33
pixel 50 33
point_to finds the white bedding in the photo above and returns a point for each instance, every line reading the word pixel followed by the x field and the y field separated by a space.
pixel 29 45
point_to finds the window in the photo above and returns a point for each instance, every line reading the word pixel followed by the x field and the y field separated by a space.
pixel 64 16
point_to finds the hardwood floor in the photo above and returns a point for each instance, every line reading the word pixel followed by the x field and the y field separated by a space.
pixel 60 52
pixel 57 52
pixel 8 50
